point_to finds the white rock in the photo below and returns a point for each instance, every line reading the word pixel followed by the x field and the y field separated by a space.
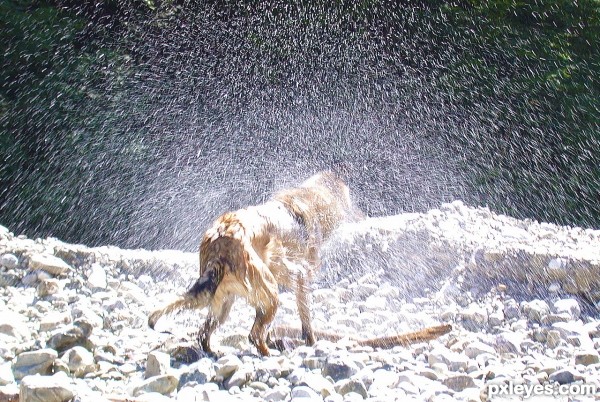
pixel 9 261
pixel 6 374
pixel 509 342
pixel 454 361
pixel 55 388
pixel 240 377
pixel 570 306
pixel 474 349
pixel 535 309
pixel 35 362
pixel 52 321
pixel 278 393
pixel 48 287
pixel 158 363
pixel 318 383
pixel 97 277
pixel 227 365
pixel 9 393
pixel 163 384
pixel 305 392
pixel 49 263
pixel 79 360
pixel 13 324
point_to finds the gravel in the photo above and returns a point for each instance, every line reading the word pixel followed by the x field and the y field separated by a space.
pixel 522 297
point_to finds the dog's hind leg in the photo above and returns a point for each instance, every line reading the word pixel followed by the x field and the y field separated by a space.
pixel 258 335
pixel 216 316
pixel 304 309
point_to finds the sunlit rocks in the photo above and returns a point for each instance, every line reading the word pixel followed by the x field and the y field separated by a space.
pixel 9 261
pixel 163 384
pixel 197 373
pixel 535 309
pixel 48 287
pixel 6 374
pixel 48 263
pixel 79 360
pixel 157 363
pixel 76 334
pixel 55 388
pixel 339 366
pixel 34 362
pixel 227 365
pixel 97 279
pixel 14 325
pixel 568 306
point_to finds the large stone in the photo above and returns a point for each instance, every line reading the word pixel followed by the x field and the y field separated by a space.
pixel 339 367
pixel 587 358
pixel 49 263
pixel 36 362
pixel 535 310
pixel 36 388
pixel 9 261
pixel 157 363
pixel 227 365
pixel 76 334
pixel 6 374
pixel 200 372
pixel 569 306
pixel 97 277
pixel 305 392
pixel 14 325
pixel 454 361
pixel 459 382
pixel 48 287
pixel 80 361
pixel 163 384
pixel 52 321
pixel 346 386
pixel 565 376
pixel 9 393
pixel 318 383
pixel 474 349
pixel 240 377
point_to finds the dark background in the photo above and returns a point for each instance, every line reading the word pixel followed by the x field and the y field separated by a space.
pixel 136 123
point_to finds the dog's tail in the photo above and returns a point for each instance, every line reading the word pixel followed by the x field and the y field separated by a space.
pixel 386 342
pixel 197 297
pixel 423 335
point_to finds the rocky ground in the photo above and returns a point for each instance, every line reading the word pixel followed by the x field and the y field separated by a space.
pixel 521 296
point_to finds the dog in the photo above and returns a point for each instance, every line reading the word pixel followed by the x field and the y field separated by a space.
pixel 249 253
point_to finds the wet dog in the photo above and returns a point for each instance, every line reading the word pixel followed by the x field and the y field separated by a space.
pixel 249 253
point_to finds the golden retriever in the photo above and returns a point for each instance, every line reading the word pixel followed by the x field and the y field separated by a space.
pixel 249 253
